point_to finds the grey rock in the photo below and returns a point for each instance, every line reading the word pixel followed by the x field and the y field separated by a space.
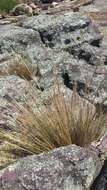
pixel 13 86
pixel 67 31
pixel 100 182
pixel 67 47
pixel 65 168
pixel 14 38
pixel 92 55
pixel 76 35
pixel 68 43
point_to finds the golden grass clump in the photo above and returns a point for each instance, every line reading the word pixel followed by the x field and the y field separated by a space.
pixel 68 120
pixel 20 66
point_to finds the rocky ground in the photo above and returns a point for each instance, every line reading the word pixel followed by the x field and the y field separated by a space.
pixel 65 41
pixel 98 13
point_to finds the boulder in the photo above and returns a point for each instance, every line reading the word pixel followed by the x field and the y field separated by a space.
pixel 21 9
pixel 16 39
pixel 65 168
pixel 70 30
pixel 75 34
pixel 68 43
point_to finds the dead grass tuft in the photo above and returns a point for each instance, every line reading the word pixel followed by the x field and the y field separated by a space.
pixel 21 66
pixel 68 120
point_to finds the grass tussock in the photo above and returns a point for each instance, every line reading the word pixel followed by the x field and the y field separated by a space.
pixel 21 66
pixel 24 68
pixel 68 120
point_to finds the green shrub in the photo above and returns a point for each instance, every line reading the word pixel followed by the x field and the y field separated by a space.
pixel 7 5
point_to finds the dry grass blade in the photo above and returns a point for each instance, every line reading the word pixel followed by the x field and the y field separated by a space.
pixel 68 120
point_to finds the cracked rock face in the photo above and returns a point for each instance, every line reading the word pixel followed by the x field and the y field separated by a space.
pixel 68 43
pixel 65 168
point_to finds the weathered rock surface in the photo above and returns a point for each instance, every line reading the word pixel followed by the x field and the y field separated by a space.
pixel 13 37
pixel 100 182
pixel 68 46
pixel 98 13
pixel 14 87
pixel 67 31
pixel 68 42
pixel 21 9
pixel 65 168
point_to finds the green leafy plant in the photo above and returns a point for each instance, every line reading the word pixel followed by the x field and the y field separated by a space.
pixel 7 5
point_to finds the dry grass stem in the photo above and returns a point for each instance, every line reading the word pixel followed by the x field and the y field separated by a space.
pixel 68 120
